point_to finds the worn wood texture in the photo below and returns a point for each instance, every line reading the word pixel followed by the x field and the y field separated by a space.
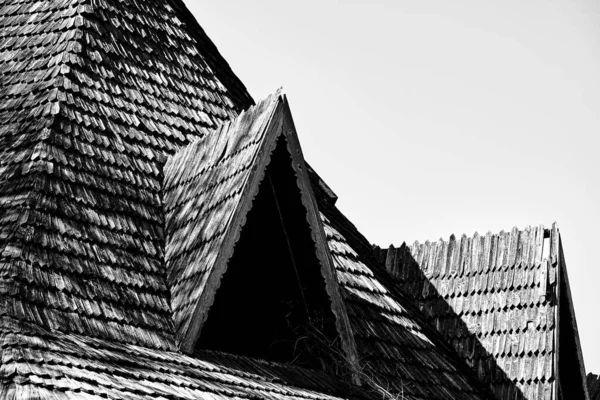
pixel 209 188
pixel 398 351
pixel 39 364
pixel 94 95
pixel 494 298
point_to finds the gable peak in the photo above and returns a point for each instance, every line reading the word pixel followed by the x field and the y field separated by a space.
pixel 254 151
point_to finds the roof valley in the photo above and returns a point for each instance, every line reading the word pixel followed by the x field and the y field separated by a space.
pixel 116 102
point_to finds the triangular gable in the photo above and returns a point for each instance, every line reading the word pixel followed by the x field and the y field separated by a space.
pixel 496 299
pixel 210 189
pixel 94 95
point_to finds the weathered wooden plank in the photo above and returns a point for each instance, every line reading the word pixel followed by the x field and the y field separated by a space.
pixel 390 261
pixel 513 244
pixel 554 237
pixel 523 248
pixel 440 262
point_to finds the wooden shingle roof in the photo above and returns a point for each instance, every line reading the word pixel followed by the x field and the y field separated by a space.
pixel 203 189
pixel 106 256
pixel 39 364
pixel 399 353
pixel 94 95
pixel 497 299
pixel 209 188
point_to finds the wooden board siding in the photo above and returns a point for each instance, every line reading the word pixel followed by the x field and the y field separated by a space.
pixel 94 95
pixel 494 298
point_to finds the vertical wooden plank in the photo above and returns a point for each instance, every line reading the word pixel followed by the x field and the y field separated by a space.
pixel 483 256
pixel 431 258
pixel 524 243
pixel 442 247
pixel 491 264
pixel 424 257
pixel 390 260
pixel 414 249
pixel 543 289
pixel 408 262
pixel 554 243
pixel 452 256
pixel 501 252
pixel 513 246
pixel 475 253
pixel 397 265
pixel 531 250
pixel 460 266
pixel 379 254
pixel 420 254
pixel 467 256
pixel 539 245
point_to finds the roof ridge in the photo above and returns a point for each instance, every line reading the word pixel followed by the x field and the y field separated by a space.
pixel 477 234
pixel 503 249
pixel 493 297
pixel 217 61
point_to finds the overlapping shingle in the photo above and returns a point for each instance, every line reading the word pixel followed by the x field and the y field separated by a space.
pixel 400 355
pixel 494 298
pixel 38 364
pixel 210 188
pixel 94 95
pixel 203 188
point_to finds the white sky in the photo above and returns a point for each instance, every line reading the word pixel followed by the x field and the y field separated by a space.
pixel 429 118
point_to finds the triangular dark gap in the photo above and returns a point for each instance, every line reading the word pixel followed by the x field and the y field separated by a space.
pixel 571 385
pixel 265 307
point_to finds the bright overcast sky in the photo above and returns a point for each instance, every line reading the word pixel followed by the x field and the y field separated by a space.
pixel 429 118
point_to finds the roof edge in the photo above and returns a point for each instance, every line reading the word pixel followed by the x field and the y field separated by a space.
pixel 564 278
pixel 215 60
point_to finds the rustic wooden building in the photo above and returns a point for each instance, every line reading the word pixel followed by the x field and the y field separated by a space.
pixel 162 237
pixel 503 302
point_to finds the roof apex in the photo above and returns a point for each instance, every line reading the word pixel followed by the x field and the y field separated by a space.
pixel 198 251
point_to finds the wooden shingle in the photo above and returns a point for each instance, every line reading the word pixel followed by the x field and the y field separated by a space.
pixel 94 95
pixel 400 354
pixel 507 306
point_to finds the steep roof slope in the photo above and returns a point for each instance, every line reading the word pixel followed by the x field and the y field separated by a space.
pixel 203 189
pixel 94 94
pixel 496 299
pixel 40 362
pixel 399 353
pixel 210 188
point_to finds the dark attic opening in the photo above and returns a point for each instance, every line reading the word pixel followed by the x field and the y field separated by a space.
pixel 272 303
